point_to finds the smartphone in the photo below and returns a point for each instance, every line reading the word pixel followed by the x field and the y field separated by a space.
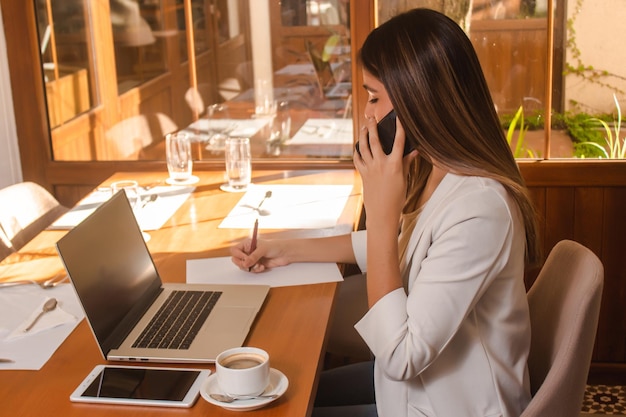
pixel 387 134
pixel 137 385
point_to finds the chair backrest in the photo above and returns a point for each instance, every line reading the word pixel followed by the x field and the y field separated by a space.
pixel 26 209
pixel 564 306
pixel 127 137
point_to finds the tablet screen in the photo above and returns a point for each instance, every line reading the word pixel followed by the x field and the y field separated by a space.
pixel 141 383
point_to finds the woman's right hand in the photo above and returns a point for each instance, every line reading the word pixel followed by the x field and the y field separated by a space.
pixel 268 254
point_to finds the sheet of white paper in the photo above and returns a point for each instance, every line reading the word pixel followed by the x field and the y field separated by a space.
pixel 289 207
pixel 16 305
pixel 324 132
pixel 297 69
pixel 151 215
pixel 223 271
pixel 237 127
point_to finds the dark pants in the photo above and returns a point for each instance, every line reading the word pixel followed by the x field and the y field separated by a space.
pixel 346 391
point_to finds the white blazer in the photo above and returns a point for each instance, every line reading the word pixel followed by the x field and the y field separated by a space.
pixel 456 343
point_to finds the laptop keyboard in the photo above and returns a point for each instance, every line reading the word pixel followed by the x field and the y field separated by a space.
pixel 178 320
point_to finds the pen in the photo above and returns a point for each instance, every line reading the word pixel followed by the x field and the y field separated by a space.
pixel 255 232
pixel 6 360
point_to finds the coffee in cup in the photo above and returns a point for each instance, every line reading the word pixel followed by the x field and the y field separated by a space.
pixel 243 371
pixel 242 361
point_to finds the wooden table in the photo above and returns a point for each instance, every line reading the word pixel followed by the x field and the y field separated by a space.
pixel 292 325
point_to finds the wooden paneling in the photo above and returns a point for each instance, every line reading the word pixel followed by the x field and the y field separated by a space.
pixel 611 342
pixel 586 202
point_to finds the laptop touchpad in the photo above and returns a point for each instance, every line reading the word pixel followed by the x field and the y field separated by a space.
pixel 231 319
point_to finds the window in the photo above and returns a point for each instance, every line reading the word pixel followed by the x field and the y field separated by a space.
pixel 143 68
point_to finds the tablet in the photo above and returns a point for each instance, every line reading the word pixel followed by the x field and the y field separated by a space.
pixel 138 385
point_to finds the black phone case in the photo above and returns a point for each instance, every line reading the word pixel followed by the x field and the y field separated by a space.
pixel 387 134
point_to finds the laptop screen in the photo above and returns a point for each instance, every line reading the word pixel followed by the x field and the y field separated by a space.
pixel 111 269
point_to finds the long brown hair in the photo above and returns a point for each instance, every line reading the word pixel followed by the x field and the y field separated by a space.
pixel 436 85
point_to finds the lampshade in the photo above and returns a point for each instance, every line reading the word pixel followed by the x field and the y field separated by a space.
pixel 129 28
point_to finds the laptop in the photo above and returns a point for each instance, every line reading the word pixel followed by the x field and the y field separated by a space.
pixel 121 293
pixel 326 80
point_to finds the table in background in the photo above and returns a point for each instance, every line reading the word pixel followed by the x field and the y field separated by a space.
pixel 292 325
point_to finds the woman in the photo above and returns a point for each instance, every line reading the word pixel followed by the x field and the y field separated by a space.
pixel 448 319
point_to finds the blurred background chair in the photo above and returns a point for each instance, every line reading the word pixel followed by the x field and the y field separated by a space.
pixel 26 209
pixel 564 306
pixel 128 137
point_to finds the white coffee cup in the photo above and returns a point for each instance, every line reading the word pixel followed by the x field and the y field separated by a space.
pixel 243 371
pixel 238 162
pixel 178 156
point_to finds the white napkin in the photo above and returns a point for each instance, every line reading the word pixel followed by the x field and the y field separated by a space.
pixel 17 303
pixel 48 320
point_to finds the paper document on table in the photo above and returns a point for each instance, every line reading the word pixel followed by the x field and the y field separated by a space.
pixel 297 69
pixel 289 207
pixel 235 127
pixel 151 212
pixel 324 132
pixel 32 350
pixel 223 271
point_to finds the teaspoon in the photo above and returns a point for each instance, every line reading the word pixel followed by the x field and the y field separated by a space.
pixel 267 195
pixel 49 305
pixel 223 398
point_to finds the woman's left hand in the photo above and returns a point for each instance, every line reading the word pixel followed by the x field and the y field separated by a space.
pixel 384 176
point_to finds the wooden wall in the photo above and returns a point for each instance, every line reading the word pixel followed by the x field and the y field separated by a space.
pixel 586 202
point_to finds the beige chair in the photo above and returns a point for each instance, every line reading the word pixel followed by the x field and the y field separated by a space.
pixel 564 307
pixel 26 209
pixel 127 138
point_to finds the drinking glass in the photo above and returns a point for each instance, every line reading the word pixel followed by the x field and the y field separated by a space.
pixel 178 156
pixel 281 123
pixel 131 188
pixel 238 162
pixel 220 125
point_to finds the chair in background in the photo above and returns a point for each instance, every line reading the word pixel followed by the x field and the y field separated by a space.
pixel 26 209
pixel 127 138
pixel 564 306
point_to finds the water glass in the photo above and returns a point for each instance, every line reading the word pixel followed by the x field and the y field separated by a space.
pixel 220 125
pixel 178 156
pixel 238 162
pixel 281 123
pixel 131 188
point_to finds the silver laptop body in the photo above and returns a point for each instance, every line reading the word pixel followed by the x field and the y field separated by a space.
pixel 120 290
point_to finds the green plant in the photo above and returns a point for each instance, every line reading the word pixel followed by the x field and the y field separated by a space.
pixel 583 130
pixel 520 150
pixel 615 145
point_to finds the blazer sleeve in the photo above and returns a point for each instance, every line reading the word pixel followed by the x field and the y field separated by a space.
pixel 470 242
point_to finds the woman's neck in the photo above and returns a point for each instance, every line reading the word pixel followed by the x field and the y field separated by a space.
pixel 435 177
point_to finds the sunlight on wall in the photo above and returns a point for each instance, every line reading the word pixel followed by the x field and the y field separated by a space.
pixel 10 167
pixel 598 33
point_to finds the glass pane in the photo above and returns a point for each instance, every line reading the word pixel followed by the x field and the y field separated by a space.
pixel 66 56
pixel 510 39
pixel 595 80
pixel 201 25
pixel 288 88
pixel 314 13
pixel 139 53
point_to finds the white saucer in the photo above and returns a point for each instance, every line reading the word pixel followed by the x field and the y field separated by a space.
pixel 229 189
pixel 191 180
pixel 278 385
